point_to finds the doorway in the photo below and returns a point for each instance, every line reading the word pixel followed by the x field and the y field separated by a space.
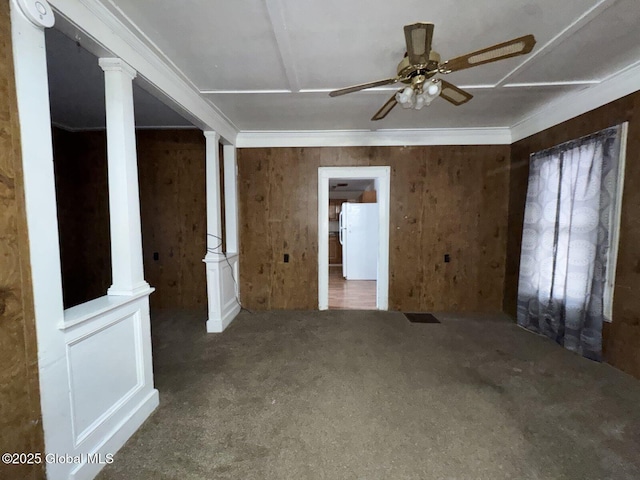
pixel 355 290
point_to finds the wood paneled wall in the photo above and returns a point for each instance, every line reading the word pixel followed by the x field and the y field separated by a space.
pixel 622 336
pixel 82 195
pixel 171 166
pixel 444 199
pixel 20 417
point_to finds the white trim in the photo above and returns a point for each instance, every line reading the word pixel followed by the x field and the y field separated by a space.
pixel 343 138
pixel 222 290
pixel 100 24
pixel 383 175
pixel 32 91
pixel 563 83
pixel 230 162
pixel 577 103
pixel 282 90
pixel 118 436
pixel 281 34
pixel 93 309
pixel 614 232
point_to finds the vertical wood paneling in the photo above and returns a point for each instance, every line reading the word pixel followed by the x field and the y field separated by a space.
pixel 82 196
pixel 443 200
pixel 20 418
pixel 173 212
pixel 622 337
pixel 171 168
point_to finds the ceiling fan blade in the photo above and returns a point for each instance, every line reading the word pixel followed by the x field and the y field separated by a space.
pixel 512 48
pixel 386 108
pixel 418 37
pixel 363 86
pixel 453 94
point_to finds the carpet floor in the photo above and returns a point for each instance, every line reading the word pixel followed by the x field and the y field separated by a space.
pixel 368 395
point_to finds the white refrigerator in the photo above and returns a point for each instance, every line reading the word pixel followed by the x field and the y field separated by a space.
pixel 359 240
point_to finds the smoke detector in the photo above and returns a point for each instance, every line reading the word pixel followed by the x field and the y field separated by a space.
pixel 38 12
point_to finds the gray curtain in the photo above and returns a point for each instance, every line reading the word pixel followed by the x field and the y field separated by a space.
pixel 565 240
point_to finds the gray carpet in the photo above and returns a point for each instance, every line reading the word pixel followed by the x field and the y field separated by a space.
pixel 369 395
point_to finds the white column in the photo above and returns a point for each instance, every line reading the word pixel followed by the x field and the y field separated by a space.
pixel 214 221
pixel 231 198
pixel 222 270
pixel 124 201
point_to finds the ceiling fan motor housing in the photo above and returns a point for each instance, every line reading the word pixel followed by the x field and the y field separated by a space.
pixel 408 71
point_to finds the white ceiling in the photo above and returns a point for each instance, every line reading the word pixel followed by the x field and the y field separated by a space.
pixel 269 64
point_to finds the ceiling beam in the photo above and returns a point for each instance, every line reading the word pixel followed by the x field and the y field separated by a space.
pixel 281 33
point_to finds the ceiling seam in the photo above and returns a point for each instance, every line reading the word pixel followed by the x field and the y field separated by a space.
pixel 572 28
pixel 281 34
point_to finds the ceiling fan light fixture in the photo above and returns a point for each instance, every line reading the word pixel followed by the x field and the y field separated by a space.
pixel 406 97
pixel 434 88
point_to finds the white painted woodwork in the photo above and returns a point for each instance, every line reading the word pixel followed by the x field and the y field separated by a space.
pixel 94 360
pixel 222 291
pixel 40 197
pixel 124 198
pixel 214 217
pixel 222 268
pixel 382 178
pixel 110 377
pixel 349 138
pixel 231 198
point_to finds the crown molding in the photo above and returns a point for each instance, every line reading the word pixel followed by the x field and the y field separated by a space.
pixel 109 31
pixel 353 138
pixel 574 104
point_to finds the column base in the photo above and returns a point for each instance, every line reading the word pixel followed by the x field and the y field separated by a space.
pixel 218 325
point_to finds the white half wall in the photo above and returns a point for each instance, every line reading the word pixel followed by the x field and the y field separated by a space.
pixel 95 369
pixel 222 290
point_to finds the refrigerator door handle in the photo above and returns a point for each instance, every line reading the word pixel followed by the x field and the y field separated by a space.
pixel 340 228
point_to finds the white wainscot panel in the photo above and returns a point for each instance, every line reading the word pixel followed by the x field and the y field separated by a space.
pixel 222 290
pixel 105 370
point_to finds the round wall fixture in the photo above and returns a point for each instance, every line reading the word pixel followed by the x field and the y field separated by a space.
pixel 37 12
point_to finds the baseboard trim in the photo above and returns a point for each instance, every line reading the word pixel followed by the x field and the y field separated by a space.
pixel 118 436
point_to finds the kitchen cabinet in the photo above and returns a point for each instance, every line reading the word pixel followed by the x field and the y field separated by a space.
pixel 335 250
pixel 334 209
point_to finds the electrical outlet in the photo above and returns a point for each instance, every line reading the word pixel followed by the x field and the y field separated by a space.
pixel 156 255
pixel 447 258
pixel 286 258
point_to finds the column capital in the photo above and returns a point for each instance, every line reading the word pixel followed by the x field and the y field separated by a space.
pixel 212 135
pixel 117 65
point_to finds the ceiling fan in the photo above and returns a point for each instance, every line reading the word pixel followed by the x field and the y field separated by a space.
pixel 420 65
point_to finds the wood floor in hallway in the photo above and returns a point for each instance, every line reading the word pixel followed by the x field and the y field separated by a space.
pixel 350 294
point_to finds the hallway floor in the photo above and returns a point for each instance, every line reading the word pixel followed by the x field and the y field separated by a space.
pixel 368 395
pixel 350 294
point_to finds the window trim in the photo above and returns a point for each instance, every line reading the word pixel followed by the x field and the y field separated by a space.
pixel 614 229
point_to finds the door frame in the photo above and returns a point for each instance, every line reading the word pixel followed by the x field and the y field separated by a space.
pixel 382 175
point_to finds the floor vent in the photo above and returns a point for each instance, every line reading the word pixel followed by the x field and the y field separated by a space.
pixel 421 318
